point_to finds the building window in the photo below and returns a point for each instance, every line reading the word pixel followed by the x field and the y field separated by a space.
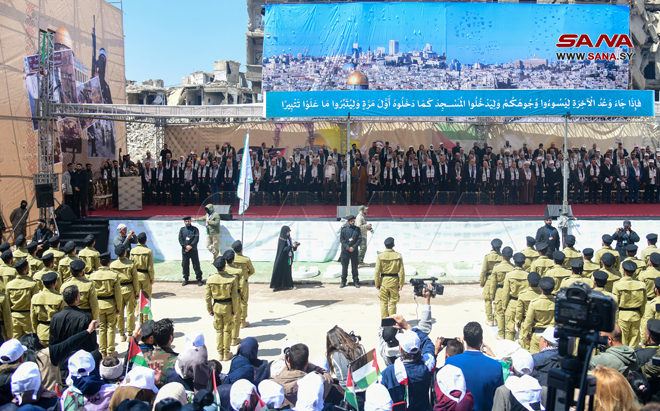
pixel 649 71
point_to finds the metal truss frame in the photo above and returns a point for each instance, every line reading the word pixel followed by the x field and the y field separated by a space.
pixel 46 119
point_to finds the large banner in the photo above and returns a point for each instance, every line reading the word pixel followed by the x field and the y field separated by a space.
pixel 391 47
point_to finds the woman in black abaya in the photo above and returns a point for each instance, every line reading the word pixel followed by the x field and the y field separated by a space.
pixel 281 277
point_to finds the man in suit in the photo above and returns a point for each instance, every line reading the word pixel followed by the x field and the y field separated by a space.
pixel 174 181
pixel 579 177
pixel 330 178
pixel 415 173
pixel 373 175
pixel 229 179
pixel 456 181
pixel 316 178
pixel 539 172
pixel 214 181
pixel 472 180
pixel 621 173
pixel 159 178
pixel 401 179
pixel 203 181
pixel 513 182
pixel 650 182
pixel 272 177
pixel 635 181
pixel 429 179
pixel 188 183
pixel 443 170
pixel 608 180
pixel 148 182
pixel 500 182
pixel 593 179
pixel 553 180
pixel 302 179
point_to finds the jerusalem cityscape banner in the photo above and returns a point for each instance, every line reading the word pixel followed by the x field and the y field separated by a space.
pixel 389 48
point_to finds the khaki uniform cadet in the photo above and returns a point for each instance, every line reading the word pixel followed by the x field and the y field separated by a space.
pixel 490 260
pixel 600 278
pixel 543 263
pixel 20 291
pixel 650 310
pixel 589 266
pixel 88 303
pixel 45 304
pixel 33 261
pixel 108 293
pixel 245 264
pixel 525 297
pixel 530 254
pixel 651 239
pixel 143 258
pixel 128 279
pixel 63 269
pixel 631 296
pixel 631 250
pixel 389 277
pixel 7 270
pixel 54 248
pixel 608 267
pixel 570 252
pixel 496 286
pixel 577 266
pixel 649 275
pixel 20 252
pixel 540 315
pixel 5 247
pixel 237 272
pixel 222 302
pixel 90 256
pixel 515 282
pixel 607 249
pixel 49 262
pixel 6 325
pixel 558 272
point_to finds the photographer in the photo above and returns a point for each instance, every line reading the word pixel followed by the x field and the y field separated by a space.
pixel 361 223
pixel 624 236
pixel 125 238
pixel 342 349
pixel 410 377
pixel 388 345
pixel 618 356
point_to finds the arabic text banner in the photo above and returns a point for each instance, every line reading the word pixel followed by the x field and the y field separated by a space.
pixel 470 103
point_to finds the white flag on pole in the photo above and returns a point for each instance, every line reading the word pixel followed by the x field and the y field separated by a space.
pixel 243 190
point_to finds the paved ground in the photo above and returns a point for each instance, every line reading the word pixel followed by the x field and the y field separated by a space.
pixel 458 273
pixel 306 314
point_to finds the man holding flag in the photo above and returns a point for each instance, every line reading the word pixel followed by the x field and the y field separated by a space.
pixel 245 179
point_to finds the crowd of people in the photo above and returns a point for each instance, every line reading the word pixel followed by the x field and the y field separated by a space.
pixel 385 173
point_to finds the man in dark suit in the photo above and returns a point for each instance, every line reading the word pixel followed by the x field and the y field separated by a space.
pixel 401 179
pixel 608 180
pixel 621 173
pixel 188 183
pixel 302 181
pixel 148 182
pixel 593 178
pixel 579 179
pixel 415 173
pixel 229 180
pixel 316 178
pixel 273 179
pixel 429 179
pixel 188 239
pixel 456 181
pixel 174 181
pixel 539 172
pixel 203 181
pixel 472 180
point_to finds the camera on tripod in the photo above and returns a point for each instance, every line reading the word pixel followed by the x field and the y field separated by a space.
pixel 420 285
pixel 578 308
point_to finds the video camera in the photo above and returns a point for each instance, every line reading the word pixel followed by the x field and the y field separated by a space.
pixel 419 285
pixel 584 311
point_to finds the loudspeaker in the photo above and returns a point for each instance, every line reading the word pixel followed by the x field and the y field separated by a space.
pixel 341 211
pixel 44 194
pixel 554 211
pixel 65 213
pixel 224 211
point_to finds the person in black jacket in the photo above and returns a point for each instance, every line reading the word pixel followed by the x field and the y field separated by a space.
pixel 148 182
pixel 203 181
pixel 624 237
pixel 42 233
pixel 548 235
pixel 175 182
pixel 350 239
pixel 69 322
pixel 79 184
pixel 188 238
pixel 188 183
pixel 548 358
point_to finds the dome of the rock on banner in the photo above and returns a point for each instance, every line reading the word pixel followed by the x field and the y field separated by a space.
pixel 357 81
pixel 63 37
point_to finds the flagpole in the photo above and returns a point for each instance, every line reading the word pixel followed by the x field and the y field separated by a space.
pixel 242 229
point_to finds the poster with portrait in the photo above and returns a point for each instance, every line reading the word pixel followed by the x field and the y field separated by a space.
pixel 101 139
pixel 71 135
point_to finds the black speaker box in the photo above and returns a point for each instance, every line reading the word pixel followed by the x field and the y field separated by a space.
pixel 224 211
pixel 44 194
pixel 65 213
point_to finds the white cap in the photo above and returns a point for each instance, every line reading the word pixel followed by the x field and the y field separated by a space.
pixel 584 146
pixel 598 149
pixel 610 149
pixel 11 350
pixel 646 154
pixel 526 390
pixel 310 393
pixel 26 378
pixel 551 162
pixel 431 145
pixel 240 393
pixel 81 364
pixel 506 348
pixel 651 161
pixel 142 378
pixel 322 362
pixel 450 378
pixel 271 393
pixel 549 335
pixel 539 158
pixel 507 150
pixel 522 361
pixel 196 339
pixel 408 341
pixel 527 162
pixel 121 227
pixel 192 152
pixel 411 146
pixel 636 146
pixel 377 398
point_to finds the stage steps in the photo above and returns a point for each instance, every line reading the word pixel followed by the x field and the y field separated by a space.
pixel 77 230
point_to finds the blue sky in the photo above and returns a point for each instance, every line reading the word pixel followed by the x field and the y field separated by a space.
pixel 169 39
pixel 468 32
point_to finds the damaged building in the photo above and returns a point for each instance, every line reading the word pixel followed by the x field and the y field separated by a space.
pixel 147 93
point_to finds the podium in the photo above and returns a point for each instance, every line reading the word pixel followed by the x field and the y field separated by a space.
pixel 130 193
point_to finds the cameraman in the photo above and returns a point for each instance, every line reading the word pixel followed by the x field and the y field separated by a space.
pixel 618 356
pixel 624 236
pixel 388 345
pixel 361 223
pixel 125 238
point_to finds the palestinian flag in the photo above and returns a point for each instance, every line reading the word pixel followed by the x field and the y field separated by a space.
pixel 365 370
pixel 145 306
pixel 135 355
pixel 349 394
pixel 216 395
pixel 256 403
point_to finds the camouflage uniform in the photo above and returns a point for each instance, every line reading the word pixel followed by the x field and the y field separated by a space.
pixel 165 356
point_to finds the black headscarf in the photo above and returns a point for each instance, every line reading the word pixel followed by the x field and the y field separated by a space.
pixel 284 240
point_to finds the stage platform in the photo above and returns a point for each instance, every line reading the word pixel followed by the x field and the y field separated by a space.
pixel 396 212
